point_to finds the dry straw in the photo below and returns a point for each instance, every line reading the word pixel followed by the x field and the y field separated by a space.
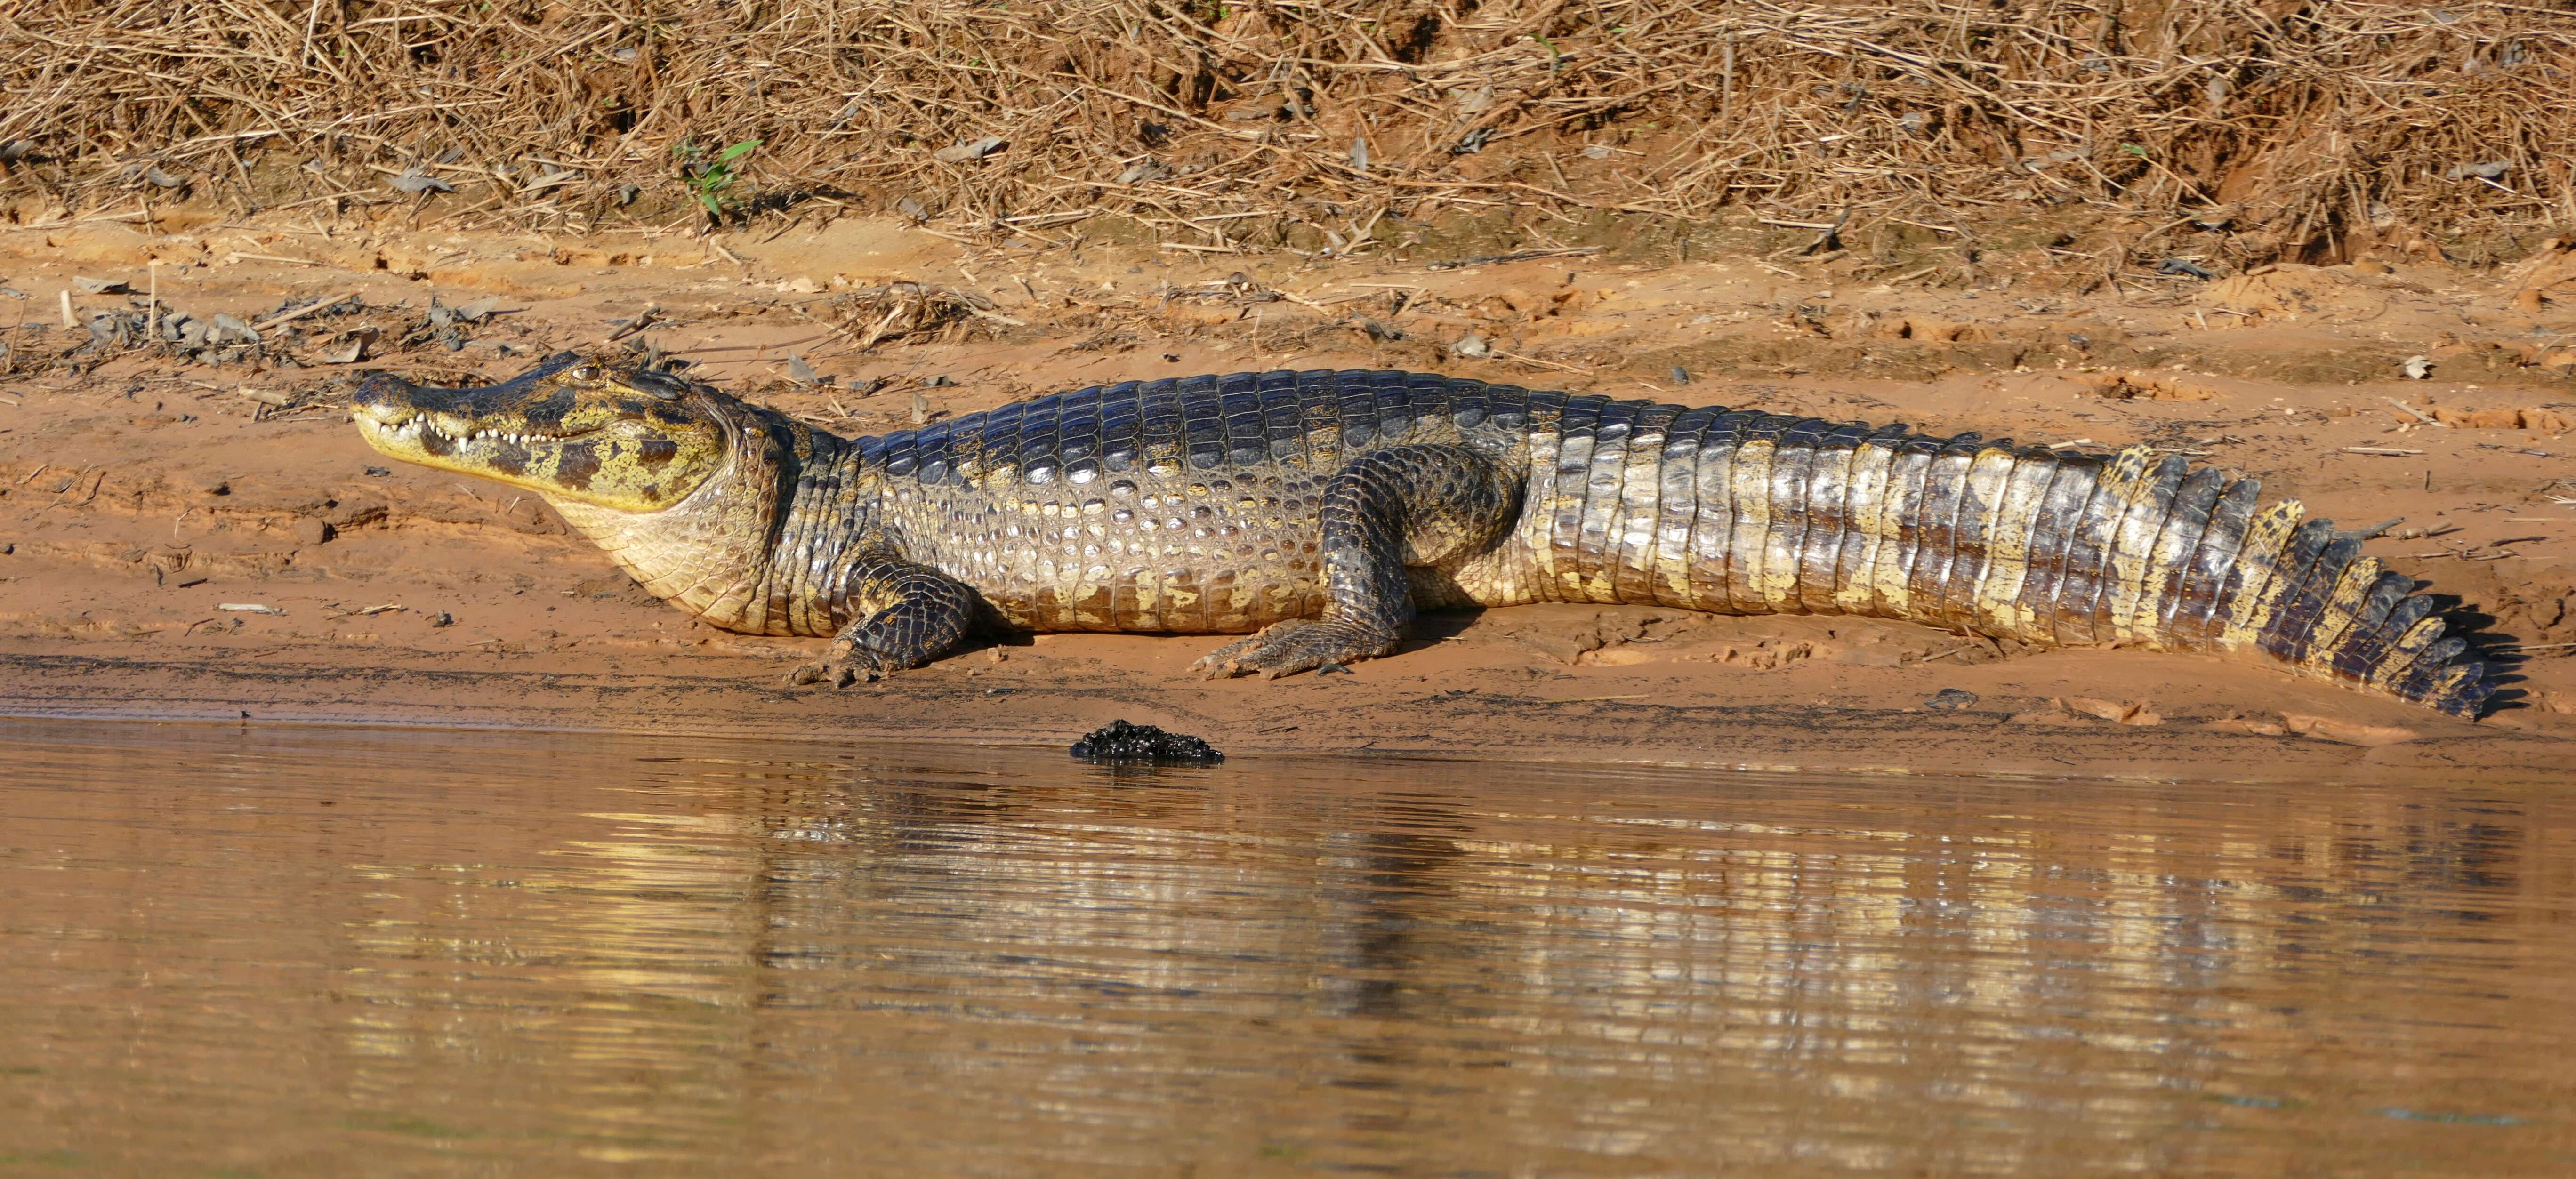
pixel 1217 127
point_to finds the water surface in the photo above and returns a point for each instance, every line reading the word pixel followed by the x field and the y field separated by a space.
pixel 266 952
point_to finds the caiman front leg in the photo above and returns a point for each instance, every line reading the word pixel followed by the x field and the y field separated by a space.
pixel 1410 506
pixel 906 615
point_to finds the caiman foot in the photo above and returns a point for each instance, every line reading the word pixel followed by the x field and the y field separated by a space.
pixel 1296 645
pixel 839 670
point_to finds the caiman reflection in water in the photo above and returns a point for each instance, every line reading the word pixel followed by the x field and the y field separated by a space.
pixel 603 952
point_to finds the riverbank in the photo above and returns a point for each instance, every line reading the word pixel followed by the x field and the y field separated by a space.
pixel 154 494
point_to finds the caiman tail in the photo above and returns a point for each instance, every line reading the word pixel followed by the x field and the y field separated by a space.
pixel 1745 512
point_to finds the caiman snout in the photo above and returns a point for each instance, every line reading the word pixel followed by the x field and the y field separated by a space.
pixel 386 399
pixel 390 399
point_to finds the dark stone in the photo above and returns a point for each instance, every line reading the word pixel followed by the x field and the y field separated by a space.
pixel 1950 700
pixel 1120 741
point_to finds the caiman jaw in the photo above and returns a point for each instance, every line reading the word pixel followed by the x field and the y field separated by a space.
pixel 389 428
pixel 572 431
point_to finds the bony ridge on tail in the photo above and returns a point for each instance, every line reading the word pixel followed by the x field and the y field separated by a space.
pixel 1314 512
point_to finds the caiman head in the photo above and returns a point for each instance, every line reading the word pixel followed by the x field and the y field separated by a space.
pixel 577 430
pixel 682 485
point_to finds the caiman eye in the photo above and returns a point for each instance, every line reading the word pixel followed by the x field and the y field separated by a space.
pixel 587 372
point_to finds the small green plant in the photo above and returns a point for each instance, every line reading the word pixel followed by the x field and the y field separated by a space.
pixel 1555 59
pixel 710 179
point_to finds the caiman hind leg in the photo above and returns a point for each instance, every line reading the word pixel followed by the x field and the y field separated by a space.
pixel 1410 506
pixel 905 616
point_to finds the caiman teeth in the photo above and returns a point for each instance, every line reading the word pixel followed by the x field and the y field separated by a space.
pixel 415 428
pixel 507 436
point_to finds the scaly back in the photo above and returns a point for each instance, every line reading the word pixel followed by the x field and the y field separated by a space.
pixel 1745 512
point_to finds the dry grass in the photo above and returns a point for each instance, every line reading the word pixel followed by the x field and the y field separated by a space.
pixel 910 310
pixel 1311 123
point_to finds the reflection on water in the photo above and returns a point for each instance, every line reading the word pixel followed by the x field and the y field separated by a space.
pixel 294 953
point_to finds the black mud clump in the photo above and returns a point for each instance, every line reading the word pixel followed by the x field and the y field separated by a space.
pixel 1119 741
pixel 1951 700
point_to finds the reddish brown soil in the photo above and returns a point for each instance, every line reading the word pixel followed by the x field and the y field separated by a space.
pixel 141 498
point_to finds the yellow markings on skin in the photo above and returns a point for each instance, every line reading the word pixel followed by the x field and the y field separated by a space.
pixel 2125 557
pixel 1778 576
pixel 732 601
pixel 1677 506
pixel 1073 584
pixel 2173 548
pixel 1602 586
pixel 1780 571
pixel 1641 501
pixel 2457 677
pixel 1828 501
pixel 1998 596
pixel 1751 483
pixel 1982 490
pixel 1566 560
pixel 1590 500
pixel 2255 597
pixel 2402 654
pixel 1161 458
pixel 602 449
pixel 1865 500
pixel 1538 520
pixel 2146 608
pixel 2115 489
pixel 687 556
pixel 1672 558
pixel 2342 606
pixel 1888 577
pixel 1499 576
pixel 1151 598
pixel 2129 467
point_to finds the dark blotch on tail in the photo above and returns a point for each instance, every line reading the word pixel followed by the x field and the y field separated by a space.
pixel 2341 618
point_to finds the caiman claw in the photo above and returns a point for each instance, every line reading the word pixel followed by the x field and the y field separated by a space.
pixel 1293 646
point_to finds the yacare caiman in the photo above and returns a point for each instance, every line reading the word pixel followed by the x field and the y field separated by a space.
pixel 1315 512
